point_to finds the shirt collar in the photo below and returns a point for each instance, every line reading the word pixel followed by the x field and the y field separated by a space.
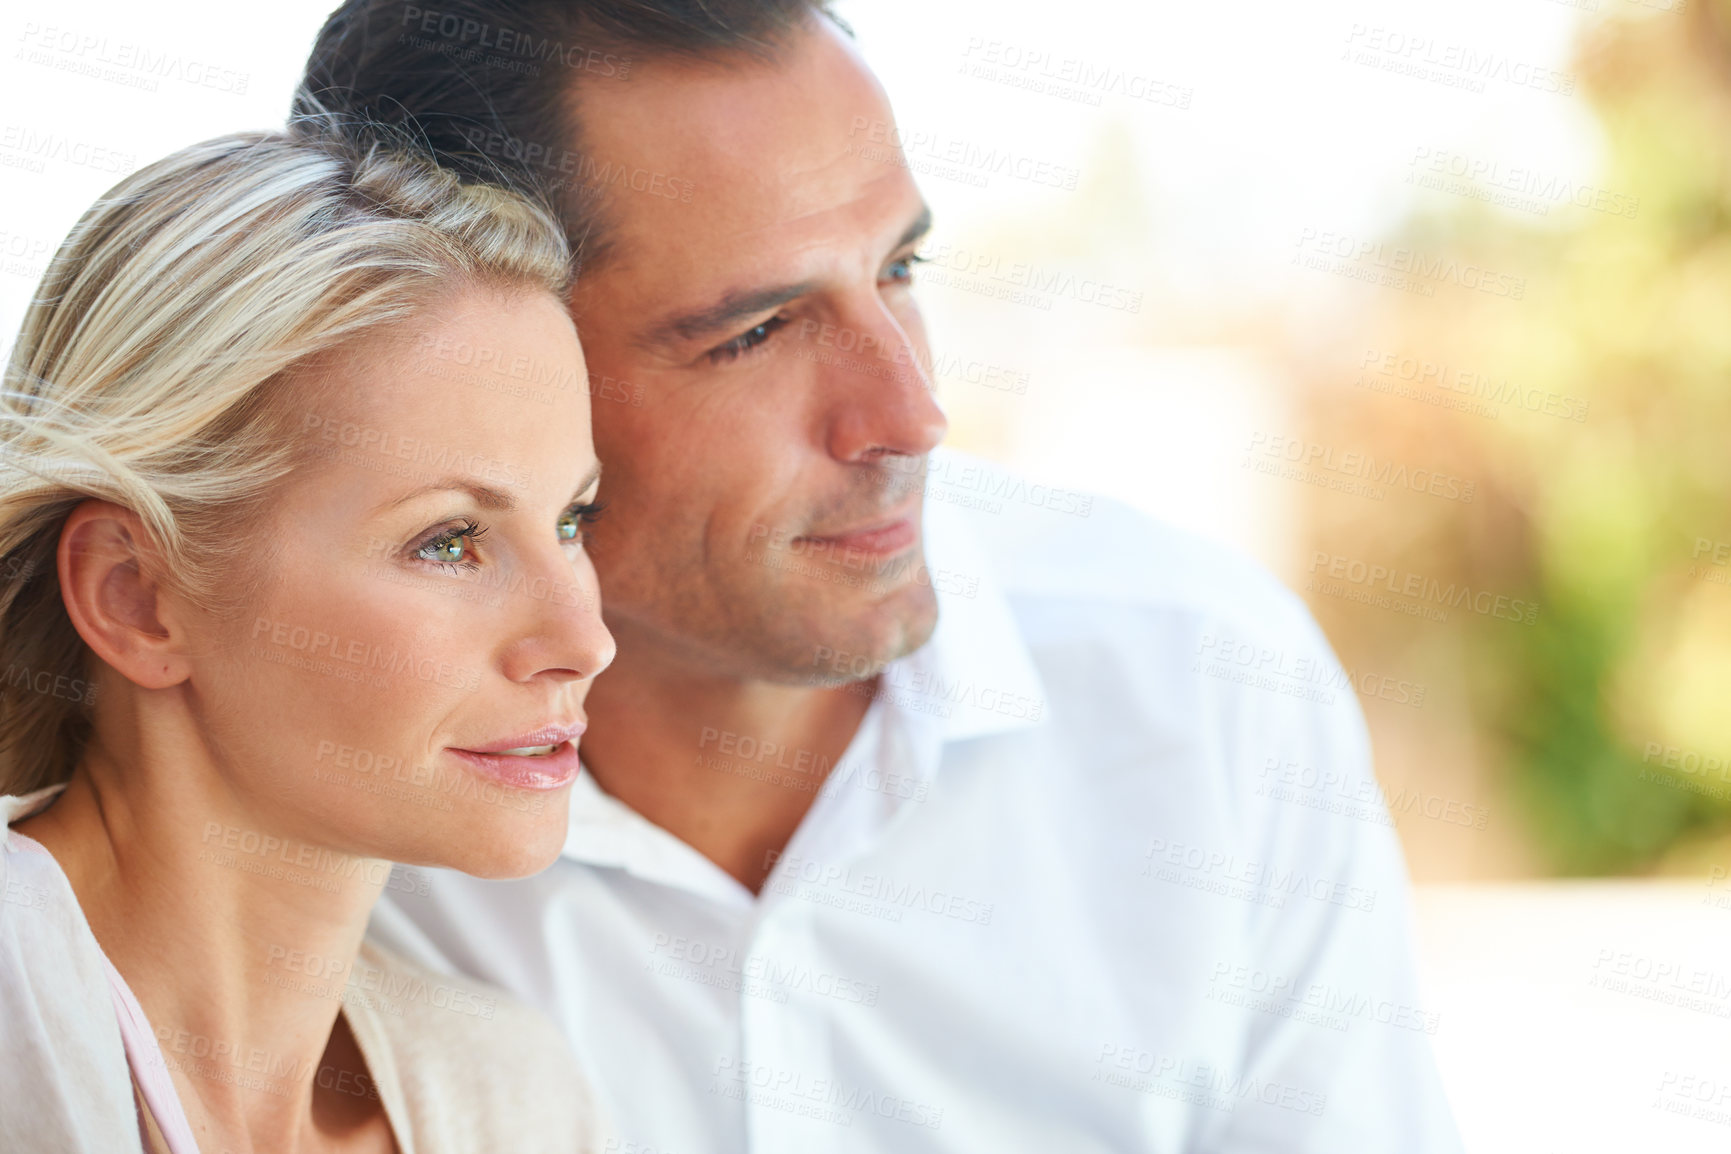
pixel 974 678
pixel 976 672
pixel 604 831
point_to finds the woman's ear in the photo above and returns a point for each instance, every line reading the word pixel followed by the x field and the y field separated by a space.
pixel 106 560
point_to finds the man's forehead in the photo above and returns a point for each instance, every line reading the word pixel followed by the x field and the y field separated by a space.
pixel 726 179
pixel 727 146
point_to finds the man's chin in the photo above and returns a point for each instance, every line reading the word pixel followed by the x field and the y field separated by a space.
pixel 854 643
pixel 792 633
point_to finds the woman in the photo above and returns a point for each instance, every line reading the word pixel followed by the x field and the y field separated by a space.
pixel 295 462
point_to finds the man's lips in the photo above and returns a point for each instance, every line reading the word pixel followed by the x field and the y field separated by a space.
pixel 881 537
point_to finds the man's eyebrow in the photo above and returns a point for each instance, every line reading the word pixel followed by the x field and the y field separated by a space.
pixel 723 315
pixel 739 304
pixel 489 498
pixel 917 230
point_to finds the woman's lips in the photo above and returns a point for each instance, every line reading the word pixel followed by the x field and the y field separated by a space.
pixel 529 739
pixel 544 758
pixel 541 771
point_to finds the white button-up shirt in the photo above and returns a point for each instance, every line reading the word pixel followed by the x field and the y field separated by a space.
pixel 1104 869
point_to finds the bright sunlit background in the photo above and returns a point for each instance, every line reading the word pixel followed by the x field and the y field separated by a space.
pixel 1427 305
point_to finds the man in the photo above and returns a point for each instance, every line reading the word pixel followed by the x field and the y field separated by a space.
pixel 905 825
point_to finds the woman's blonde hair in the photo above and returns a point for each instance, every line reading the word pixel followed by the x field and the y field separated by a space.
pixel 148 366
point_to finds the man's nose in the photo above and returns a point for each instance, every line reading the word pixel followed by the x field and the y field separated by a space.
pixel 883 402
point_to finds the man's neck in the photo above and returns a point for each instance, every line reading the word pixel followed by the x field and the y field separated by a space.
pixel 729 766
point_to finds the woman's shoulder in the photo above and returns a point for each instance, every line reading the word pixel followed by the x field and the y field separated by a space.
pixel 63 1075
pixel 46 937
pixel 470 1066
pixel 45 943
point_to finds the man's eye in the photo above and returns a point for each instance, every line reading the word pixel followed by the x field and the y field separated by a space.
pixel 902 271
pixel 747 340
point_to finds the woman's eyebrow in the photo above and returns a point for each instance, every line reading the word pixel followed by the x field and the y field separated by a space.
pixel 489 498
pixel 587 483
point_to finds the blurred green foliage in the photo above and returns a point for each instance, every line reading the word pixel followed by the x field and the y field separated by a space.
pixel 1615 707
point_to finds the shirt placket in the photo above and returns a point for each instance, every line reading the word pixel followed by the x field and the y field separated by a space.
pixel 794 1102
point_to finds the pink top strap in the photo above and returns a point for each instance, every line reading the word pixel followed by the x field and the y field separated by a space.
pixel 143 1055
pixel 148 1066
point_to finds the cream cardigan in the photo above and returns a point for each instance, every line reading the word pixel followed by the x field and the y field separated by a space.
pixel 462 1067
pixel 459 1067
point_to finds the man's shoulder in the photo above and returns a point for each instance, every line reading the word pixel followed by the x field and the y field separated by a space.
pixel 1047 547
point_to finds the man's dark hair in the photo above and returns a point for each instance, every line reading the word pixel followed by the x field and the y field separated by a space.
pixel 489 86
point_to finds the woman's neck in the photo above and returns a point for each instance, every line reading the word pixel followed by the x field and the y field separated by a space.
pixel 235 935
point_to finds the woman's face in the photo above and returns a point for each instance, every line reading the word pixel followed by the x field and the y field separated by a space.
pixel 428 623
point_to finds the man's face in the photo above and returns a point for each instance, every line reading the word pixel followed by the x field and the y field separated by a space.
pixel 757 361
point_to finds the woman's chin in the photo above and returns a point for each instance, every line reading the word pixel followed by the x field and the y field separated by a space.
pixel 508 849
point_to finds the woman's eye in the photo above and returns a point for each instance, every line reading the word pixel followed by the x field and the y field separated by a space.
pixel 747 340
pixel 446 549
pixel 451 547
pixel 572 520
